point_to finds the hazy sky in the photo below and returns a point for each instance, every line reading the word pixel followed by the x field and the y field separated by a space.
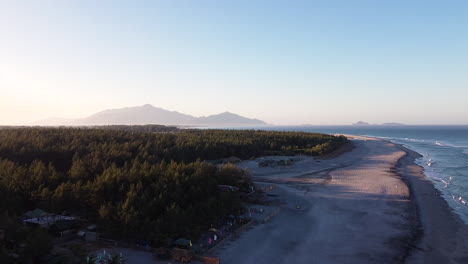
pixel 286 62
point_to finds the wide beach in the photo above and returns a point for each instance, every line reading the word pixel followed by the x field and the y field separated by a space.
pixel 369 205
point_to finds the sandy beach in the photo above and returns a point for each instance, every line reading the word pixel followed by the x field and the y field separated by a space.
pixel 370 205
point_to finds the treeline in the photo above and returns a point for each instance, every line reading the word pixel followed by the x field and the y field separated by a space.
pixel 99 148
pixel 139 128
pixel 141 185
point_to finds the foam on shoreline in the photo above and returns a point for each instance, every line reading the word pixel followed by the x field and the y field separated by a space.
pixel 438 232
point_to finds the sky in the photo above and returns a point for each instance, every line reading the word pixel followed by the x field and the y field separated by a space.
pixel 285 62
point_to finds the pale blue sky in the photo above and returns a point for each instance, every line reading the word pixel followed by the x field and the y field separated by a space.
pixel 286 62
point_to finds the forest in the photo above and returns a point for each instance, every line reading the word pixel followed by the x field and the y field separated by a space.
pixel 146 183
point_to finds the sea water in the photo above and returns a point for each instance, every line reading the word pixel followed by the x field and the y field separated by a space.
pixel 444 151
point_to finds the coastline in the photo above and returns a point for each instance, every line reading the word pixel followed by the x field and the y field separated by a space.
pixel 372 204
pixel 439 234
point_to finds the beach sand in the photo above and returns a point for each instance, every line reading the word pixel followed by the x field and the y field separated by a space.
pixel 370 205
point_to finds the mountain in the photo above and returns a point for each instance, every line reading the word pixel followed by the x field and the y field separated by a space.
pixel 148 114
pixel 227 118
pixel 138 115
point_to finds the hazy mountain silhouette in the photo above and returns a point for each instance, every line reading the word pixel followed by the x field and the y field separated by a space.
pixel 138 115
pixel 148 114
pixel 228 119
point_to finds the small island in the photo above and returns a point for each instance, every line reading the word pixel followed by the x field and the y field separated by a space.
pixel 361 123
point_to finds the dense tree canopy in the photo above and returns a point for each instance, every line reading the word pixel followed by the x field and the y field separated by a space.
pixel 136 183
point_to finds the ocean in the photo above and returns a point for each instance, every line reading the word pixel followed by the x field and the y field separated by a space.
pixel 444 151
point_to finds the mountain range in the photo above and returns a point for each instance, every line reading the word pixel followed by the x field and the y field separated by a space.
pixel 148 114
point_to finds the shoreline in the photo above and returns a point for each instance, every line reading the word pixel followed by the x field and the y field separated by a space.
pixel 372 204
pixel 440 232
pixel 437 235
pixel 417 233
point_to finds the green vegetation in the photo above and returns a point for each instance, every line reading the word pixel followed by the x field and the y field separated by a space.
pixel 136 128
pixel 30 243
pixel 140 185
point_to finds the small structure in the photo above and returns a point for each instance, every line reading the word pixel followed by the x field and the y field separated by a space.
pixel 48 220
pixel 58 224
pixel 210 260
pixel 182 243
pixel 36 213
pixel 88 235
pixel 63 226
pixel 81 234
pixel 181 251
